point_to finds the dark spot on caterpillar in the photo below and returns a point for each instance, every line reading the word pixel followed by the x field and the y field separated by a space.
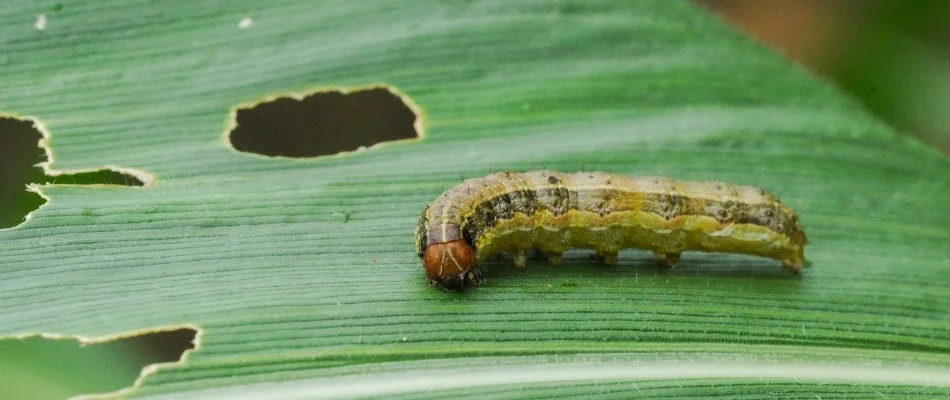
pixel 655 203
pixel 502 206
pixel 729 206
pixel 602 208
pixel 749 214
pixel 678 205
pixel 524 201
pixel 469 233
pixel 666 207
pixel 530 198
pixel 723 215
pixel 553 180
pixel 421 237
pixel 608 181
pixel 561 200
pixel 484 217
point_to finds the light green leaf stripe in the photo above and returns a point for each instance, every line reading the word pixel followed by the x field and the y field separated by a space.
pixel 474 379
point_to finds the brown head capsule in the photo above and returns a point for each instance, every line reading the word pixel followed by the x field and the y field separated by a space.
pixel 451 265
pixel 448 258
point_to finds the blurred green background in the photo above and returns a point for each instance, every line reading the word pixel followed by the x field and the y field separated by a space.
pixel 40 368
pixel 891 55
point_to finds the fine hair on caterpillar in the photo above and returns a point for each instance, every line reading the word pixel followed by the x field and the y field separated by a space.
pixel 552 212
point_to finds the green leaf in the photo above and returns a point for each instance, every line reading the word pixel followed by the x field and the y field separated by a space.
pixel 294 300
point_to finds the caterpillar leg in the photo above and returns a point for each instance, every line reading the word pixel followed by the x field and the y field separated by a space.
pixel 535 254
pixel 795 263
pixel 477 276
pixel 607 257
pixel 667 260
pixel 521 258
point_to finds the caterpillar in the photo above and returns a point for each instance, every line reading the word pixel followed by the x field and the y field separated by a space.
pixel 551 212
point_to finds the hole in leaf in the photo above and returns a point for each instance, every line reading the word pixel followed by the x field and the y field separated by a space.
pixel 324 123
pixel 99 177
pixel 19 157
pixel 20 165
pixel 41 368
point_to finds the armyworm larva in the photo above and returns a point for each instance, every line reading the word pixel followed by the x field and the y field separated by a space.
pixel 552 212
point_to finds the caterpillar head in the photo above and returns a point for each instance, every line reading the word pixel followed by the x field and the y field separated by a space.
pixel 451 265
